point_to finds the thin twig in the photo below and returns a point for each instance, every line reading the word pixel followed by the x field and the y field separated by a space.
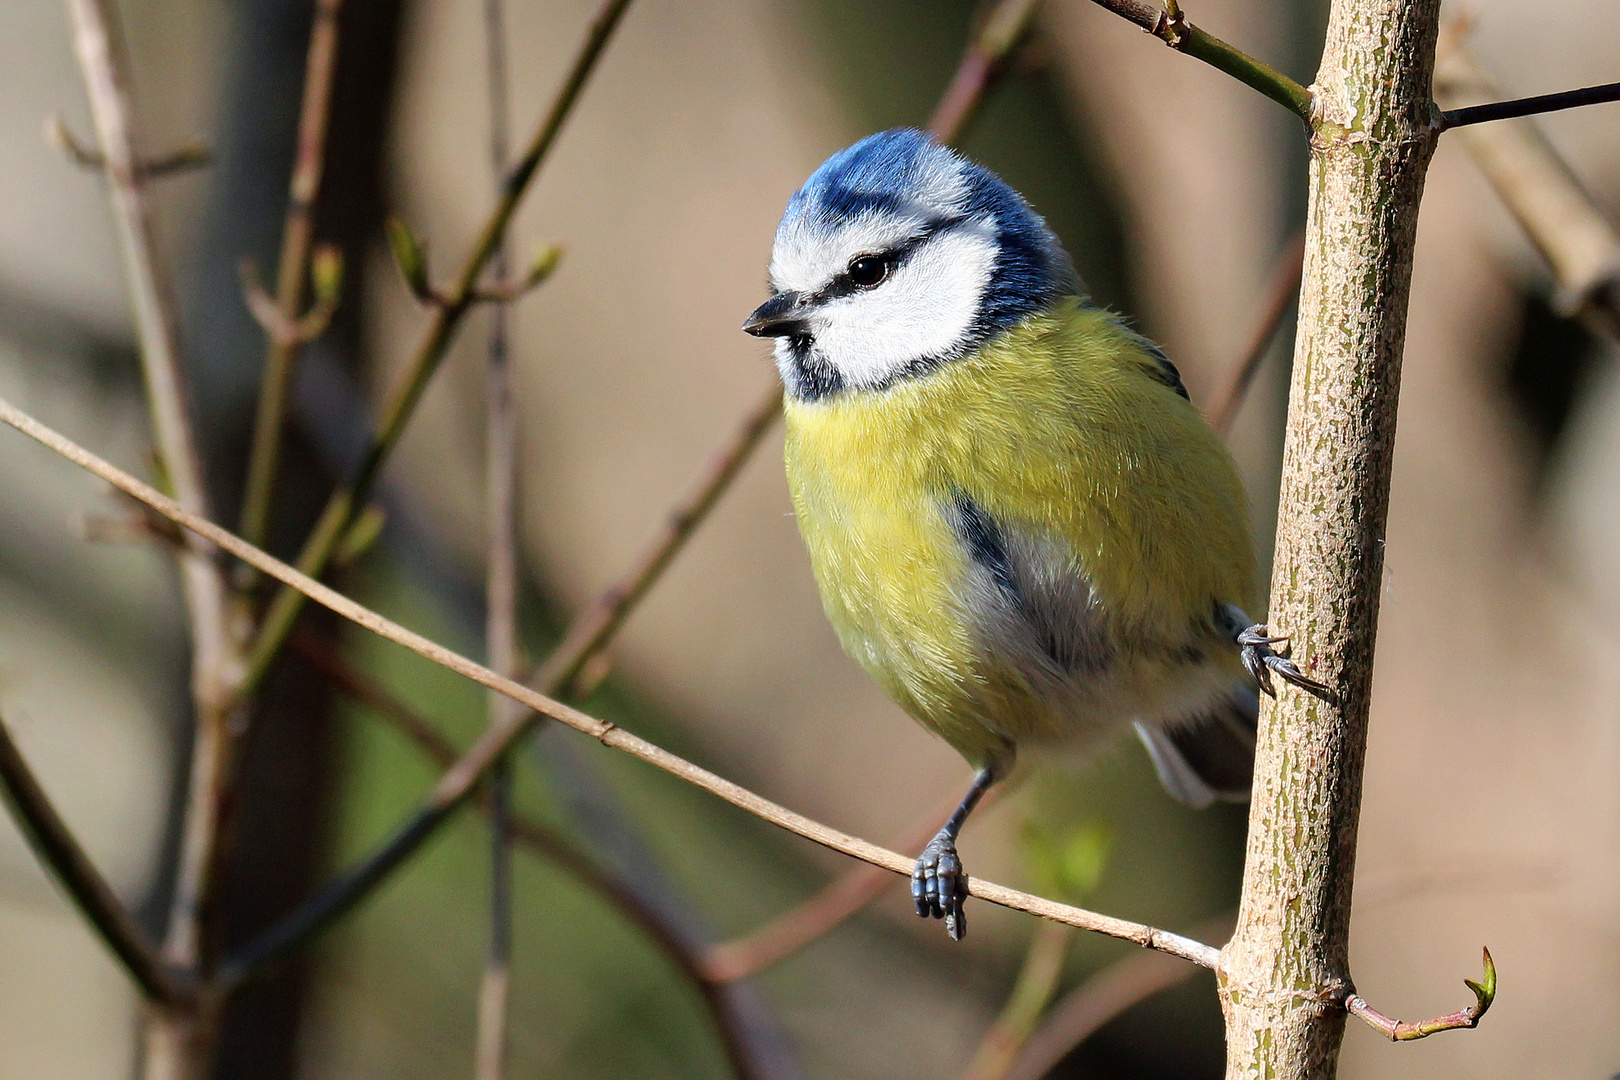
pixel 297 243
pixel 1175 31
pixel 1530 106
pixel 215 659
pixel 1282 292
pixel 1112 991
pixel 458 783
pixel 731 1023
pixel 1575 237
pixel 982 64
pixel 61 854
pixel 1462 1019
pixel 500 594
pixel 351 496
pixel 591 631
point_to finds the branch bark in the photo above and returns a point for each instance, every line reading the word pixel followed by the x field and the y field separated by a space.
pixel 1284 975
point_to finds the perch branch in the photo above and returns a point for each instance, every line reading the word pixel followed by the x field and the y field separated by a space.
pixel 297 243
pixel 1172 28
pixel 57 849
pixel 458 783
pixel 1402 1031
pixel 352 495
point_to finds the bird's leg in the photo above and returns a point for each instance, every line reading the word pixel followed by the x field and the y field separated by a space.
pixel 1255 643
pixel 938 886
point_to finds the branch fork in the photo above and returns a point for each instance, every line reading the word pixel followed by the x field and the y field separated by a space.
pixel 181 159
pixel 410 256
pixel 326 275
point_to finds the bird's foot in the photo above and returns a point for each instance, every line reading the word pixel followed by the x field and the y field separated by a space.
pixel 938 886
pixel 1262 659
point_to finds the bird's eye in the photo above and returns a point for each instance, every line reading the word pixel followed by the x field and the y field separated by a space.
pixel 868 271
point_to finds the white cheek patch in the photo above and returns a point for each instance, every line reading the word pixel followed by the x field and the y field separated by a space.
pixel 924 310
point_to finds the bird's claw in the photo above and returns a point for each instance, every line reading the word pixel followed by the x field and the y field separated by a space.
pixel 1262 660
pixel 938 886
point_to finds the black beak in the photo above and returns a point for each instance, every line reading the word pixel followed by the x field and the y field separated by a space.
pixel 780 316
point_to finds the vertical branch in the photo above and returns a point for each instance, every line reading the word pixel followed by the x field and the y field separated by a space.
pixel 292 272
pixel 1284 975
pixel 178 1039
pixel 500 625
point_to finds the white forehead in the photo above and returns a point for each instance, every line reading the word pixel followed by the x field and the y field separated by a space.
pixel 814 245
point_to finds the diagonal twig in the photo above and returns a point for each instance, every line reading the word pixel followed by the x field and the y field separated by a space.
pixel 732 1024
pixel 458 783
pixel 351 496
pixel 56 847
pixel 1281 293
pixel 986 57
pixel 1172 28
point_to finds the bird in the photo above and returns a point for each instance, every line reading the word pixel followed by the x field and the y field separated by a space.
pixel 1020 525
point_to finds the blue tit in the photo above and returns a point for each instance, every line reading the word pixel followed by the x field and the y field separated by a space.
pixel 1020 525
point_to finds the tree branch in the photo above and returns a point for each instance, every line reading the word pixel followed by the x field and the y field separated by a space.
pixel 458 783
pixel 1401 1031
pixel 1282 292
pixel 1282 976
pixel 982 64
pixel 1172 28
pixel 1530 106
pixel 351 496
pixel 57 849
pixel 297 244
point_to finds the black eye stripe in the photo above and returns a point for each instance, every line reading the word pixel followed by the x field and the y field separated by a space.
pixel 895 257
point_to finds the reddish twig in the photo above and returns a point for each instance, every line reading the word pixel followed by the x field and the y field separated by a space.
pixel 1282 292
pixel 982 64
pixel 1401 1031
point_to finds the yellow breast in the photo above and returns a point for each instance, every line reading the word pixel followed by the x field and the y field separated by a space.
pixel 1062 432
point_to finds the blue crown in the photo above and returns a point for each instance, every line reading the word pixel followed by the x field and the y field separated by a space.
pixel 903 171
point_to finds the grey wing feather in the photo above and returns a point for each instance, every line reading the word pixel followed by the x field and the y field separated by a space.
pixel 1208 758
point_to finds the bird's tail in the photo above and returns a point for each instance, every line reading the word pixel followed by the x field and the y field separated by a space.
pixel 1210 757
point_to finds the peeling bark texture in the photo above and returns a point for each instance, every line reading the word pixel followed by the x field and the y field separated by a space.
pixel 1285 972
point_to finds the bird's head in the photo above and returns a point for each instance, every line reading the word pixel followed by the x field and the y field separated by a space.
pixel 897 256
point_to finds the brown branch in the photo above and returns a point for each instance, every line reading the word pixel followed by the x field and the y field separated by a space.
pixel 1083 1011
pixel 1402 1031
pixel 500 592
pixel 1282 292
pixel 982 65
pixel 1172 28
pixel 458 783
pixel 177 1040
pixel 731 1024
pixel 61 854
pixel 351 496
pixel 297 242
pixel 591 631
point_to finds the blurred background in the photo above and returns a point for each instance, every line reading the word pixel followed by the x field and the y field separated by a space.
pixel 1492 815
